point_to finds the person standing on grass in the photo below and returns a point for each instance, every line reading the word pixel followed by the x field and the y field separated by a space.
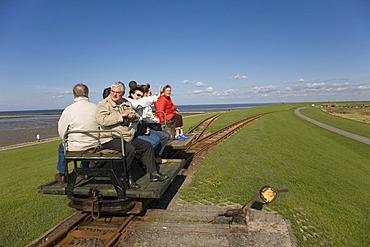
pixel 165 104
pixel 116 113
pixel 78 116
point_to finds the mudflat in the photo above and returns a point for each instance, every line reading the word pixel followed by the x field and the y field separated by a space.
pixel 11 137
pixel 18 136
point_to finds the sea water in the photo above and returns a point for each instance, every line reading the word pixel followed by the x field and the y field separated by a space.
pixel 17 120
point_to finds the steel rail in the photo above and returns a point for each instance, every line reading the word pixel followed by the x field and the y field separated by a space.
pixel 57 238
pixel 211 140
pixel 101 232
pixel 200 128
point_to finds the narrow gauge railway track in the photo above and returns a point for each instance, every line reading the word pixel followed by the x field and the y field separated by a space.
pixel 87 230
pixel 203 143
pixel 199 129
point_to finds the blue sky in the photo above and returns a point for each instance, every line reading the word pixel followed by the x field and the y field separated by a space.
pixel 231 51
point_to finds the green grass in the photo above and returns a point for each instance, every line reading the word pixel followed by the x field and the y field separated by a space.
pixel 25 214
pixel 352 126
pixel 327 176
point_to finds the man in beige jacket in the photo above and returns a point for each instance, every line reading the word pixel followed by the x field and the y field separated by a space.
pixel 116 113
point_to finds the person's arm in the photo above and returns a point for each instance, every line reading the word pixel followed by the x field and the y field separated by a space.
pixel 143 102
pixel 63 124
pixel 173 107
pixel 160 107
pixel 105 118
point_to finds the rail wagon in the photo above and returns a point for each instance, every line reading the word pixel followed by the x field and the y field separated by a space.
pixel 103 187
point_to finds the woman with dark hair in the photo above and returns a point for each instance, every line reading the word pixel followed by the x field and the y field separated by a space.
pixel 148 115
pixel 158 139
pixel 165 104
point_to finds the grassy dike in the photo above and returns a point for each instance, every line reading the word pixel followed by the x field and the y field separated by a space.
pixel 25 214
pixel 358 128
pixel 327 176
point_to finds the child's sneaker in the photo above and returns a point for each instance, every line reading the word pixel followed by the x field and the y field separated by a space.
pixel 179 138
pixel 184 136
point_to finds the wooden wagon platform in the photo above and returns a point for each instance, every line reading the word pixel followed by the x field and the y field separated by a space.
pixel 148 189
pixel 177 145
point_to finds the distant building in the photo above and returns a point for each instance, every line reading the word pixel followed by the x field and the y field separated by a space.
pixel 327 105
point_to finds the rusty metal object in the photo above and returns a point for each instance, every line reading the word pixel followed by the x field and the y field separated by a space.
pixel 92 232
pixel 213 139
pixel 200 128
pixel 238 216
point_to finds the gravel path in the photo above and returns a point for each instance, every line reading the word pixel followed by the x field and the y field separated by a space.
pixel 333 129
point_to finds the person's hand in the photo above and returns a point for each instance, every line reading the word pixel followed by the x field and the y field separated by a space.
pixel 129 114
pixel 132 115
pixel 159 91
pixel 125 113
pixel 147 131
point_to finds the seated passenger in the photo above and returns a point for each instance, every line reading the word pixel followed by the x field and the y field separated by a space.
pixel 78 116
pixel 159 139
pixel 148 115
pixel 116 113
pixel 106 92
pixel 165 104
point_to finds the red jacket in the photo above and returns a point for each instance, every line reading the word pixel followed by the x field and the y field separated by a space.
pixel 165 104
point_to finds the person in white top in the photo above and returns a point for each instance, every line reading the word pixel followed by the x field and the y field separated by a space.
pixel 142 106
pixel 78 116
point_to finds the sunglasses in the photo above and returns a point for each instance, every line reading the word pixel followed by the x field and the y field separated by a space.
pixel 139 95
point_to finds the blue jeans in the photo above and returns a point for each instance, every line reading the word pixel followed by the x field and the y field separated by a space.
pixel 61 165
pixel 151 138
pixel 164 138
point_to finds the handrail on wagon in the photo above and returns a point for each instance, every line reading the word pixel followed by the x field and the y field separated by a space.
pixel 96 154
pixel 65 137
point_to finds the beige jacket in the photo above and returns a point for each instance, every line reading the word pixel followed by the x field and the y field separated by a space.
pixel 79 116
pixel 109 117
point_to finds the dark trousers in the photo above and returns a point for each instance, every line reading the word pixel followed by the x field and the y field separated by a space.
pixel 143 148
pixel 146 152
pixel 115 144
pixel 177 120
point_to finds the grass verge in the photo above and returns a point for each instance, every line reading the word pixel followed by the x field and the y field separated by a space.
pixel 359 128
pixel 25 214
pixel 327 176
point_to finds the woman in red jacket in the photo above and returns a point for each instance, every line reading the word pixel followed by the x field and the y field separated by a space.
pixel 165 104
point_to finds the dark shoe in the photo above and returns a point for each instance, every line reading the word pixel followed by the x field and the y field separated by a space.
pixel 157 176
pixel 132 184
pixel 60 178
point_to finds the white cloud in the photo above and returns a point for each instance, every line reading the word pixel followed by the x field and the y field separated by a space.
pixel 363 87
pixel 240 77
pixel 264 89
pixel 197 91
pixel 230 91
pixel 58 96
pixel 62 94
pixel 315 86
pixel 208 90
pixel 301 80
pixel 185 81
pixel 200 84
